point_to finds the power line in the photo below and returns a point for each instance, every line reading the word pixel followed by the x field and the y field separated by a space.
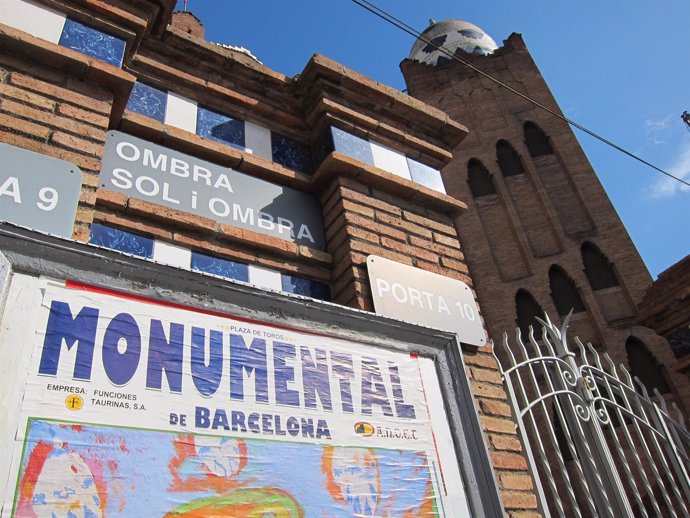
pixel 374 9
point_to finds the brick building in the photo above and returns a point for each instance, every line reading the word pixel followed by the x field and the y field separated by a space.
pixel 540 234
pixel 665 308
pixel 130 84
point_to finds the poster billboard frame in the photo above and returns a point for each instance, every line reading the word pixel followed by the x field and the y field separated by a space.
pixel 35 254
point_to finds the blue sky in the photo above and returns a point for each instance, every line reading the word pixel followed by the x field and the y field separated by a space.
pixel 618 67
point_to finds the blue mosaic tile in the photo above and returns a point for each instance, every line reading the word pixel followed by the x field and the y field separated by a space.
pixel 221 267
pixel 92 42
pixel 425 175
pixel 148 101
pixel 680 342
pixel 323 148
pixel 352 146
pixel 291 153
pixel 120 240
pixel 219 127
pixel 306 287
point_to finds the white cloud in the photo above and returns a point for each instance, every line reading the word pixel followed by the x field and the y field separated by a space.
pixel 656 129
pixel 667 187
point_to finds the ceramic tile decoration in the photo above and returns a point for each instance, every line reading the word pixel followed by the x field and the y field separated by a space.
pixel 291 153
pixel 219 127
pixel 390 161
pixel 116 239
pixel 166 253
pixel 181 112
pixel 221 267
pixel 172 255
pixel 37 20
pixel 147 100
pixel 265 278
pixel 258 139
pixel 93 42
pixel 306 287
pixel 352 146
pixel 323 147
pixel 425 175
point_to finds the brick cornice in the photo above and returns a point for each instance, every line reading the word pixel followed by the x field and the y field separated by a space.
pixel 337 165
pixel 76 64
pixel 326 111
pixel 389 105
pixel 143 17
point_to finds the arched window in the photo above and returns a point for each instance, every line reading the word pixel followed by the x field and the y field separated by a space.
pixel 508 159
pixel 527 309
pixel 598 268
pixel 537 142
pixel 479 179
pixel 564 292
pixel 644 366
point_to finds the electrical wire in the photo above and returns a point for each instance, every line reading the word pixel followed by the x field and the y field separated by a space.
pixel 374 9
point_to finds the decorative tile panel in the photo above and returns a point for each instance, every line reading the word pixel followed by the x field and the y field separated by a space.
pixel 221 267
pixel 324 147
pixel 425 175
pixel 291 153
pixel 390 161
pixel 37 20
pixel 148 101
pixel 306 287
pixel 116 239
pixel 181 112
pixel 172 255
pixel 221 128
pixel 265 278
pixel 378 156
pixel 92 42
pixel 258 139
pixel 352 146
pixel 166 253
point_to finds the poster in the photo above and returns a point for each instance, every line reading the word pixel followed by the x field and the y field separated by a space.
pixel 135 407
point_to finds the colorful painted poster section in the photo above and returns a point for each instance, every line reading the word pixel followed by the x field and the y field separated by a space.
pixel 137 408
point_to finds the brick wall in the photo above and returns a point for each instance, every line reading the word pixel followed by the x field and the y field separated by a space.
pixel 189 24
pixel 46 112
pixel 361 221
pixel 61 111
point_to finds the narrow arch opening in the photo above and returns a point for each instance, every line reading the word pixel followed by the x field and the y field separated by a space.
pixel 537 142
pixel 644 365
pixel 598 268
pixel 481 183
pixel 508 160
pixel 527 310
pixel 559 430
pixel 564 292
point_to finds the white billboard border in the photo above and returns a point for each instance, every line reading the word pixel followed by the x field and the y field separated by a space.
pixel 36 254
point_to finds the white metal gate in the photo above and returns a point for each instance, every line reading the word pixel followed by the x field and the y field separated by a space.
pixel 599 445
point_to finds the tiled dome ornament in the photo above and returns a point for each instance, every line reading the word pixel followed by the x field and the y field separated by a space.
pixel 452 35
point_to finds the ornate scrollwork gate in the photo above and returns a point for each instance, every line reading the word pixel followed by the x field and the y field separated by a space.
pixel 598 444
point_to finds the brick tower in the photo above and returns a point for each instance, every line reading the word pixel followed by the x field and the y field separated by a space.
pixel 541 234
